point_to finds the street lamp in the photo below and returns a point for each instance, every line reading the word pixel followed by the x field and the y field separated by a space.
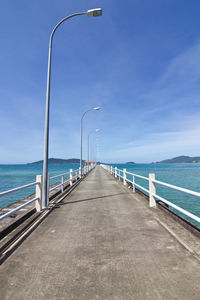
pixel 97 130
pixel 90 13
pixel 96 149
pixel 95 108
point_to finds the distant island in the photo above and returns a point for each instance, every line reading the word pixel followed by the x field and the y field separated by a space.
pixel 58 161
pixel 130 163
pixel 180 159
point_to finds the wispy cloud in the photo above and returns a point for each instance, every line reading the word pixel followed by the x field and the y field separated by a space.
pixel 184 68
pixel 158 147
pixel 179 81
pixel 167 121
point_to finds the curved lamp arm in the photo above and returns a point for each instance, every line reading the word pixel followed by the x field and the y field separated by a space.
pixel 63 20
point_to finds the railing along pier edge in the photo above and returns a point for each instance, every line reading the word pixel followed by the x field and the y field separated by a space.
pixel 72 177
pixel 151 192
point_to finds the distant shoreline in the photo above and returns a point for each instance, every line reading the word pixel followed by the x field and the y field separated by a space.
pixel 55 161
pixel 181 159
pixel 59 161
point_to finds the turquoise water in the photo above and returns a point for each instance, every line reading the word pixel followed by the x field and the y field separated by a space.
pixel 12 176
pixel 182 175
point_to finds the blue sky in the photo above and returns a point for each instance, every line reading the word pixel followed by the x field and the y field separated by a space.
pixel 140 62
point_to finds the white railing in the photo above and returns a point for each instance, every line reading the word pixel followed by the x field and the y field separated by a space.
pixel 21 206
pixel 152 189
pixel 72 176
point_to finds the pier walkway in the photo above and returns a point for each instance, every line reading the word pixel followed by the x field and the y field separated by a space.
pixel 103 242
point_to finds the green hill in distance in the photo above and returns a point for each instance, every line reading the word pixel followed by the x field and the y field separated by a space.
pixel 180 159
pixel 58 161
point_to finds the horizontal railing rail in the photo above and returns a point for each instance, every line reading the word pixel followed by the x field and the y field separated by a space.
pixel 183 211
pixel 58 185
pixel 57 176
pixel 151 192
pixel 18 208
pixel 186 191
pixel 63 182
pixel 139 176
pixel 20 188
pixel 73 175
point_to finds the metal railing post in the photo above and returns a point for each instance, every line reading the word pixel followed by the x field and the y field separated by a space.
pixel 38 193
pixel 124 176
pixel 62 182
pixel 115 172
pixel 152 190
pixel 133 184
pixel 48 179
pixel 71 177
pixel 80 172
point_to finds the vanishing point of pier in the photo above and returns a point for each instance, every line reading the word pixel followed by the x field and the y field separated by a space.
pixel 102 241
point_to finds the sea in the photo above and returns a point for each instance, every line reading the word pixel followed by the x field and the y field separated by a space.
pixel 182 175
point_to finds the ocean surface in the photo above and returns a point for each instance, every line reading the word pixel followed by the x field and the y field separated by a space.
pixel 183 175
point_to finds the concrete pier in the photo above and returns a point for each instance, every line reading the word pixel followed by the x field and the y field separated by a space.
pixel 103 242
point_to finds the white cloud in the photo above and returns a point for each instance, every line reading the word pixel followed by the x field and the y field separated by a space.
pixel 184 67
pixel 159 146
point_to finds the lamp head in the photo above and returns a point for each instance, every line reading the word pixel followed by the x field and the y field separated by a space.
pixel 96 12
pixel 97 108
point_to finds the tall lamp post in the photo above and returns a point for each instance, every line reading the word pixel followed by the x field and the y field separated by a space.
pixel 95 108
pixel 96 149
pixel 90 13
pixel 97 130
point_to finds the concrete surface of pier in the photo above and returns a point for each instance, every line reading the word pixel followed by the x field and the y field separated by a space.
pixel 103 242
